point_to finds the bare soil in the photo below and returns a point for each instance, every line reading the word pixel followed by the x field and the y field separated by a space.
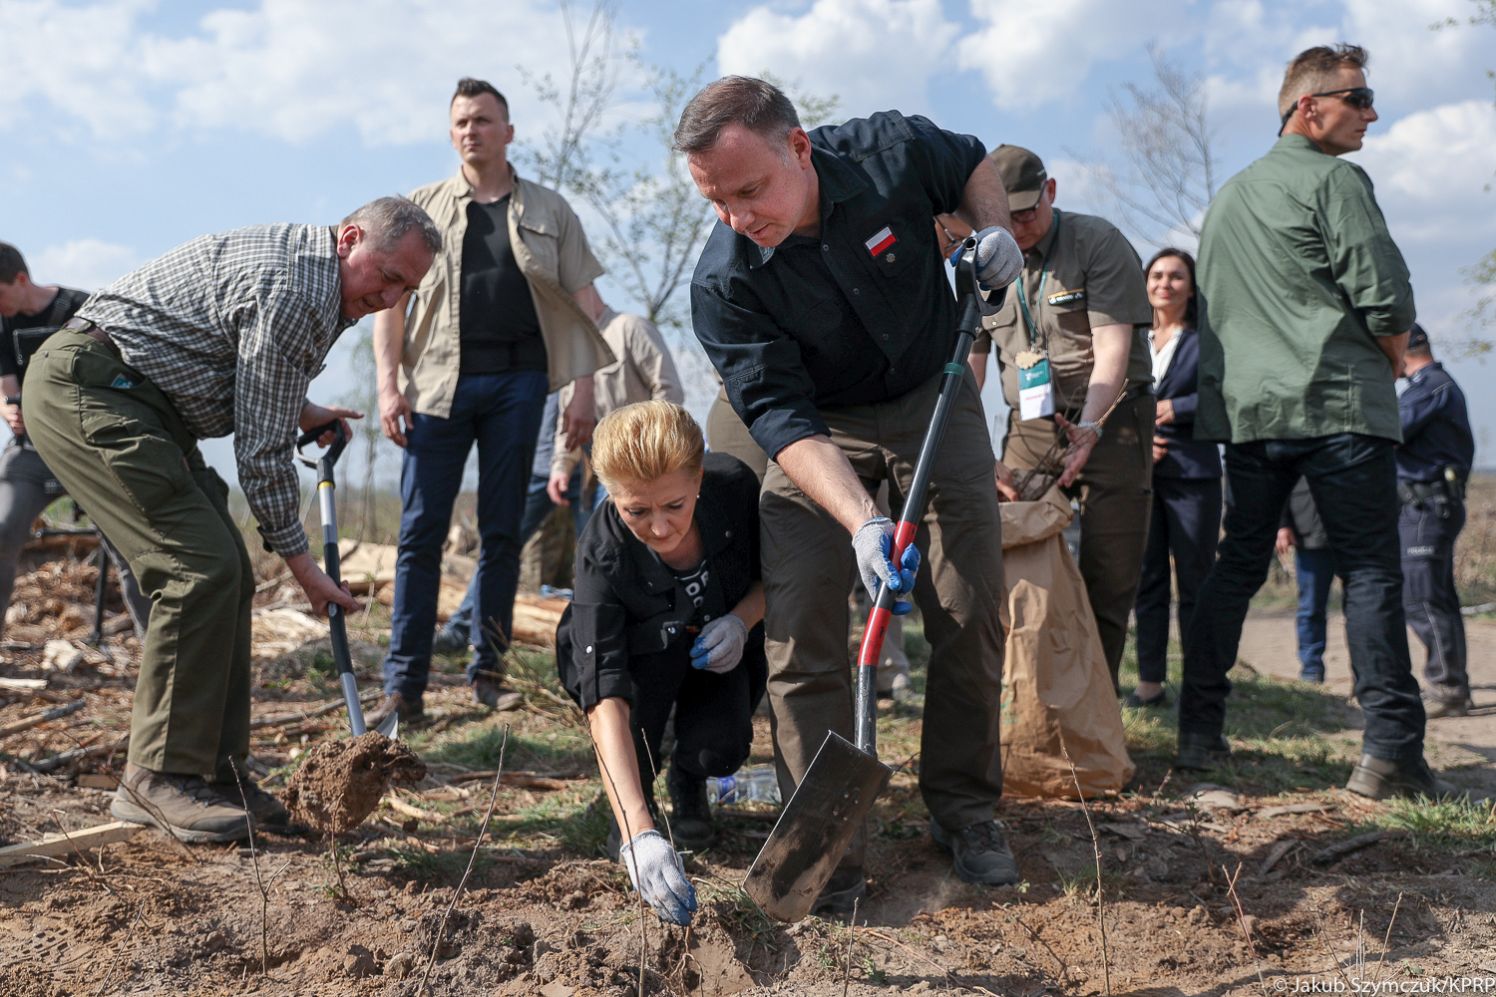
pixel 1200 889
pixel 342 781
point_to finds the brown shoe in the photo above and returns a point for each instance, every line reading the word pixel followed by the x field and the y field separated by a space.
pixel 411 711
pixel 268 812
pixel 186 806
pixel 1438 707
pixel 489 692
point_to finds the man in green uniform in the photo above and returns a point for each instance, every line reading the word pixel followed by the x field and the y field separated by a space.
pixel 1074 360
pixel 1305 309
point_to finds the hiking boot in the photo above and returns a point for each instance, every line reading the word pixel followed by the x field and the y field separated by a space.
pixel 268 812
pixel 491 693
pixel 1201 752
pixel 186 806
pixel 1379 779
pixel 841 896
pixel 1312 675
pixel 979 851
pixel 450 640
pixel 409 710
pixel 690 817
pixel 1436 707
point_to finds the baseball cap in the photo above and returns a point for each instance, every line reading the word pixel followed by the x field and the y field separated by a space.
pixel 1023 175
pixel 1417 338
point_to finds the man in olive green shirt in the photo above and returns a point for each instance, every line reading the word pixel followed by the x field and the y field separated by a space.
pixel 1305 309
pixel 1076 318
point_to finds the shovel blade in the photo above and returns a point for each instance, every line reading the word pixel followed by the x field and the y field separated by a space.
pixel 817 825
pixel 390 725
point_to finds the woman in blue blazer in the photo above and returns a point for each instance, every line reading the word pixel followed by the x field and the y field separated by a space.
pixel 1186 519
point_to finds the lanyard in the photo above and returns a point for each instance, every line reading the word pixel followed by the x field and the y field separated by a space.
pixel 1023 305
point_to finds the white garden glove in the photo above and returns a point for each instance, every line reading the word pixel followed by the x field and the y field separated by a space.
pixel 719 648
pixel 999 262
pixel 659 877
pixel 873 546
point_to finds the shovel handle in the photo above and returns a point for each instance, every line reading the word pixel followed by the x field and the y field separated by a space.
pixel 337 623
pixel 871 648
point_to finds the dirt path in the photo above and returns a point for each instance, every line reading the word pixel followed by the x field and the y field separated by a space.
pixel 1461 747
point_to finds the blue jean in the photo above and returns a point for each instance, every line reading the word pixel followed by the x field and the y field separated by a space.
pixel 1315 571
pixel 501 413
pixel 1354 478
pixel 538 506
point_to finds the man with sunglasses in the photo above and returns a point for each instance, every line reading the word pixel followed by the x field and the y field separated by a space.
pixel 1305 308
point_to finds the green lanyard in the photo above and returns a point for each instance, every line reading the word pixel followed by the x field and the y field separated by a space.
pixel 1023 305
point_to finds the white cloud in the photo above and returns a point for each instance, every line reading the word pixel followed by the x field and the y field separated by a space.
pixel 871 54
pixel 1029 58
pixel 83 263
pixel 283 68
pixel 1430 169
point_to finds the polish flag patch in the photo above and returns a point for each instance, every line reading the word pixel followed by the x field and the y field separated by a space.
pixel 881 240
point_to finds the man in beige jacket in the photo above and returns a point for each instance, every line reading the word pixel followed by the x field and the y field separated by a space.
pixel 507 313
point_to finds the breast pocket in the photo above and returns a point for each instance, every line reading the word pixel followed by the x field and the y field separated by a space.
pixel 543 248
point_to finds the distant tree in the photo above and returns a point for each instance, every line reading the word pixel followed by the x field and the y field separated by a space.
pixel 1169 172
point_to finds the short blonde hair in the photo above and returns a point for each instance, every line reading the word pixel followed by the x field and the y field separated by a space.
pixel 1311 70
pixel 646 441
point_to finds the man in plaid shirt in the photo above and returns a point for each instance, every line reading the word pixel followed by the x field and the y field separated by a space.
pixel 221 335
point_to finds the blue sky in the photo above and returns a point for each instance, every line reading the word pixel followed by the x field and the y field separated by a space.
pixel 132 125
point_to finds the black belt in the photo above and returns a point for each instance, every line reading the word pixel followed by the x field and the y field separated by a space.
pixel 1413 492
pixel 88 328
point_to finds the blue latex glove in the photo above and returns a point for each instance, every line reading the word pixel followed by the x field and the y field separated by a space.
pixel 720 646
pixel 659 877
pixel 873 545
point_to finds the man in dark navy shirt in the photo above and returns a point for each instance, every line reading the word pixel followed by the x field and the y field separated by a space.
pixel 1432 466
pixel 822 301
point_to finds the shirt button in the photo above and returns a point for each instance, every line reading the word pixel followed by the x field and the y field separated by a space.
pixel 825 247
pixel 728 534
pixel 885 337
pixel 856 290
pixel 589 649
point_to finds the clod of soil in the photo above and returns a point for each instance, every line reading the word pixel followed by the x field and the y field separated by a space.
pixel 341 782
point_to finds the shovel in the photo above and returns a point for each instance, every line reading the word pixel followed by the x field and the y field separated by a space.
pixel 390 727
pixel 843 781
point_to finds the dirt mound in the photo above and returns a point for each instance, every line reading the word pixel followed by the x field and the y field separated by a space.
pixel 341 782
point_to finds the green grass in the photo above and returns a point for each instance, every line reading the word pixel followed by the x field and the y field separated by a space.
pixel 1458 825
pixel 443 867
pixel 549 749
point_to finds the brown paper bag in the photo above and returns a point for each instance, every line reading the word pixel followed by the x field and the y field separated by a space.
pixel 1057 690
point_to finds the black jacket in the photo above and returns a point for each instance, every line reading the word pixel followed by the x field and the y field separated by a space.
pixel 628 609
pixel 1186 457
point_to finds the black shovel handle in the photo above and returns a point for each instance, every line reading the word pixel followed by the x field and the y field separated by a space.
pixel 871 649
pixel 331 562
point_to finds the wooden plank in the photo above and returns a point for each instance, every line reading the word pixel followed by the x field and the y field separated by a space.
pixel 22 685
pixel 68 842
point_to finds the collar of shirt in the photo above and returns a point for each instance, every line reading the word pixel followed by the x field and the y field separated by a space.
pixel 1040 251
pixel 1163 357
pixel 838 182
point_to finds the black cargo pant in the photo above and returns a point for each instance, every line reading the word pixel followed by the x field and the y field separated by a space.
pixel 1428 527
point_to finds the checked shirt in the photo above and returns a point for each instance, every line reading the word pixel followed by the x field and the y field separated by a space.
pixel 233 327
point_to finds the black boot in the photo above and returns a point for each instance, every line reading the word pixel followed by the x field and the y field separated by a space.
pixel 690 817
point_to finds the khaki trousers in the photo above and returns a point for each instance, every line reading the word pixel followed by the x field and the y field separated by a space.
pixel 808 568
pixel 1116 495
pixel 119 447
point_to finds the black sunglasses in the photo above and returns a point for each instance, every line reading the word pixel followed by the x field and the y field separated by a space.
pixel 1360 98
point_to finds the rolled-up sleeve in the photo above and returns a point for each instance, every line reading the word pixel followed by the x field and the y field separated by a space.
pixel 1368 266
pixel 761 369
pixel 943 161
pixel 277 351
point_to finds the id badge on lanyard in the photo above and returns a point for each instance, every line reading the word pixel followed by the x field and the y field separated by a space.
pixel 1035 390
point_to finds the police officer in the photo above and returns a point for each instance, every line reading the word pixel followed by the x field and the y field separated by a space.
pixel 1071 343
pixel 1432 466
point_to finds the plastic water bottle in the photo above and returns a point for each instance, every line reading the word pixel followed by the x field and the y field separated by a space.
pixel 752 784
pixel 552 592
